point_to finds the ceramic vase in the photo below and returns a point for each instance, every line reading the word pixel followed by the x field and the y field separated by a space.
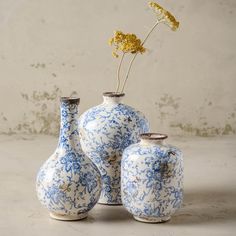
pixel 152 179
pixel 105 131
pixel 68 184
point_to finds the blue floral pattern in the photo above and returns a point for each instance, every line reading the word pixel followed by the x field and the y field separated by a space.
pixel 105 131
pixel 68 183
pixel 152 180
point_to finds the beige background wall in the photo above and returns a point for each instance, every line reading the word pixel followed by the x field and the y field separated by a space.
pixel 185 84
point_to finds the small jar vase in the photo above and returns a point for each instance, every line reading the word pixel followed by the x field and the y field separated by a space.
pixel 105 131
pixel 152 179
pixel 68 184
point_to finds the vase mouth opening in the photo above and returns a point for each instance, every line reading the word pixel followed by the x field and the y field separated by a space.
pixel 153 136
pixel 70 100
pixel 113 94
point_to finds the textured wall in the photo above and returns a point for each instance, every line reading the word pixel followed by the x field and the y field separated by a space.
pixel 185 84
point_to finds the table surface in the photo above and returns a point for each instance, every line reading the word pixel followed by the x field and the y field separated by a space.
pixel 209 201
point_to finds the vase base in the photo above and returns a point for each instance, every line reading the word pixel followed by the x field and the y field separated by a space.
pixel 104 201
pixel 152 219
pixel 109 203
pixel 68 217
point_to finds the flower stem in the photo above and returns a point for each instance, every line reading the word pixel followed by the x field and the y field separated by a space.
pixel 118 73
pixel 132 60
pixel 148 34
pixel 128 71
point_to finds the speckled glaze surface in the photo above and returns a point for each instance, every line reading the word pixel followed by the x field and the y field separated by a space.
pixel 152 179
pixel 105 131
pixel 68 184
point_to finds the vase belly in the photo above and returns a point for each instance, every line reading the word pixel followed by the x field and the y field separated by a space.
pixel 152 179
pixel 105 131
pixel 68 184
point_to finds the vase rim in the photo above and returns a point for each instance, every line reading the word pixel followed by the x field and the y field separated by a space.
pixel 70 100
pixel 153 136
pixel 113 94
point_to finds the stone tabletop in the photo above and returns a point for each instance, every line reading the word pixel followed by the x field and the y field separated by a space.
pixel 209 201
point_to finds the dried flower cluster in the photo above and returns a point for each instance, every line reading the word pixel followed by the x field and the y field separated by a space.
pixel 163 14
pixel 129 43
pixel 125 43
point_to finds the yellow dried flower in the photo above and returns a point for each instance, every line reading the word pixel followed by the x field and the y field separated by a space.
pixel 110 41
pixel 125 43
pixel 165 15
pixel 115 54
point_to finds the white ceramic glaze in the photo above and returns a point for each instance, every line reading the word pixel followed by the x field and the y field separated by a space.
pixel 152 179
pixel 68 184
pixel 105 131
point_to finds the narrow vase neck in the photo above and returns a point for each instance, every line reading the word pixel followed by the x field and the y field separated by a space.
pixel 153 138
pixel 112 98
pixel 69 121
pixel 157 142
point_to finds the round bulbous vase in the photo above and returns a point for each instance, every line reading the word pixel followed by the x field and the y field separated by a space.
pixel 152 179
pixel 105 131
pixel 68 184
